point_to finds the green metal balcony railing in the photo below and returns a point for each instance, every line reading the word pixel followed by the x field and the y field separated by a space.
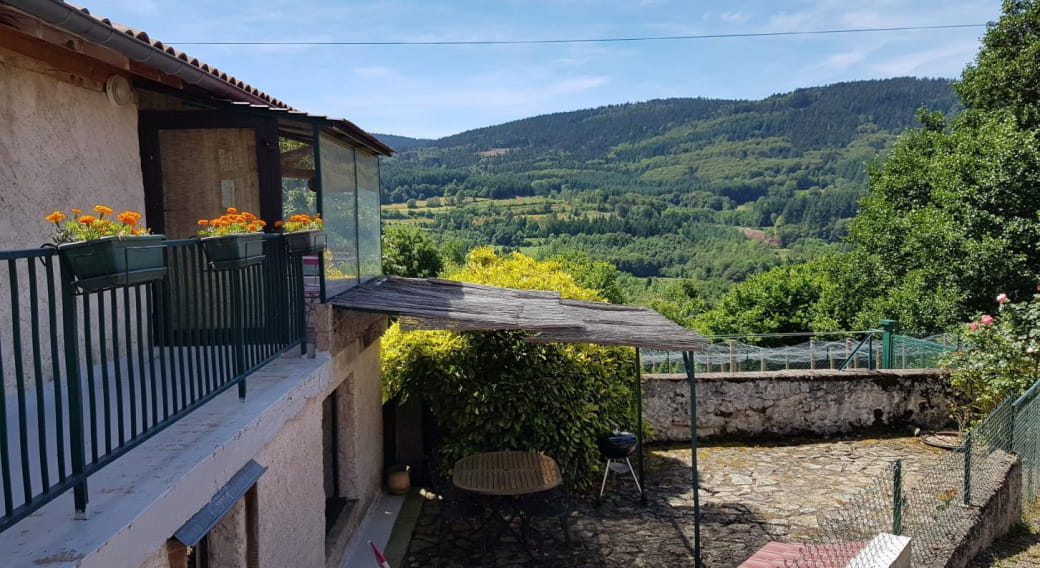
pixel 89 376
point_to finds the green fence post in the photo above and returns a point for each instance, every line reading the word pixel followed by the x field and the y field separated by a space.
pixel 77 444
pixel 897 498
pixel 967 469
pixel 691 380
pixel 887 352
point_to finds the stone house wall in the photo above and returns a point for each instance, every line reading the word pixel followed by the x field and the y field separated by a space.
pixel 786 403
pixel 61 146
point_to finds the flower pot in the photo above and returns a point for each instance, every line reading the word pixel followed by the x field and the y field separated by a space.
pixel 305 242
pixel 109 262
pixel 398 480
pixel 228 252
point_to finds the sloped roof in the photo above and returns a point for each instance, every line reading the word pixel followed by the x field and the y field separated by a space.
pixel 101 31
pixel 432 303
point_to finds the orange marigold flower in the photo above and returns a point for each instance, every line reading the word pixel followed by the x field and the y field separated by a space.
pixel 140 231
pixel 56 217
pixel 232 210
pixel 76 211
pixel 248 216
pixel 203 222
pixel 278 223
pixel 103 209
pixel 129 217
pixel 87 219
pixel 262 222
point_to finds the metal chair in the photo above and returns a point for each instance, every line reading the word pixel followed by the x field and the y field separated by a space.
pixel 455 505
pixel 552 504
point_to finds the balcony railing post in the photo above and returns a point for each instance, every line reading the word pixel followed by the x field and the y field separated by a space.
pixel 238 331
pixel 70 331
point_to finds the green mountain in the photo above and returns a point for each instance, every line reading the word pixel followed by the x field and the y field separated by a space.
pixel 403 143
pixel 695 188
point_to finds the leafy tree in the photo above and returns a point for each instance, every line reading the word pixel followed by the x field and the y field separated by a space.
pixel 597 275
pixel 953 213
pixel 408 251
pixel 494 391
pixel 1006 72
pixel 781 300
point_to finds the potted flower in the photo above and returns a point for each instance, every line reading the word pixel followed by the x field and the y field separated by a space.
pixel 304 234
pixel 233 240
pixel 103 252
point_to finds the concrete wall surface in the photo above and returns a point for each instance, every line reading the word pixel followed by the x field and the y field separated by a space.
pixel 61 146
pixel 784 403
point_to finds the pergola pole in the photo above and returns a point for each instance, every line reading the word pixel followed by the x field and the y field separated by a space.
pixel 639 425
pixel 688 363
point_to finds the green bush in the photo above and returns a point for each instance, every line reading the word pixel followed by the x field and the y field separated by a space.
pixel 1002 358
pixel 493 391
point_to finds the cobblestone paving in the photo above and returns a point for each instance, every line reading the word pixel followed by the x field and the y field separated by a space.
pixel 750 495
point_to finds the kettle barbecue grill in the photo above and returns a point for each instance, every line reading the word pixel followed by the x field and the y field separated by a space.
pixel 615 447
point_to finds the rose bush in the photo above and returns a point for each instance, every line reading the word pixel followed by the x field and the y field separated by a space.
pixel 1001 357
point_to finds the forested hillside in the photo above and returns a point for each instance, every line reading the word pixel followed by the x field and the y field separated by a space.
pixel 710 190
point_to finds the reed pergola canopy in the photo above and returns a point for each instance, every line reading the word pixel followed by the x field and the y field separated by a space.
pixel 433 303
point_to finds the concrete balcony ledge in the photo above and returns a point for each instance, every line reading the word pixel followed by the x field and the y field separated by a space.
pixel 141 499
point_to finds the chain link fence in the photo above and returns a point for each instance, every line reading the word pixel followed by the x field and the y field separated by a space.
pixel 931 504
pixel 851 349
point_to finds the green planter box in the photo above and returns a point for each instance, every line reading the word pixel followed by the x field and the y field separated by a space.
pixel 109 262
pixel 305 242
pixel 228 252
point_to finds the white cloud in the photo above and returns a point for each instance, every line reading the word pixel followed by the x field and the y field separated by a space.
pixel 734 17
pixel 945 61
pixel 845 59
pixel 379 72
pixel 490 96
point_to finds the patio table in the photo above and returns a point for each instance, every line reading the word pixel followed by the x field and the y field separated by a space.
pixel 503 476
pixel 506 473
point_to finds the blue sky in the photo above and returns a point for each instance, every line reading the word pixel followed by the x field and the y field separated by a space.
pixel 433 91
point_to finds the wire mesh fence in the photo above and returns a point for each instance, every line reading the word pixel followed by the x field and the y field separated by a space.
pixel 933 505
pixel 850 349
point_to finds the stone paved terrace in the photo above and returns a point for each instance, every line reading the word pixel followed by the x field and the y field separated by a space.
pixel 750 495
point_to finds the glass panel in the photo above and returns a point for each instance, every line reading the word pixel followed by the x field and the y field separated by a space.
pixel 299 193
pixel 339 208
pixel 368 216
pixel 298 185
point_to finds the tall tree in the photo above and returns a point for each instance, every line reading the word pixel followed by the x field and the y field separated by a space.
pixel 953 217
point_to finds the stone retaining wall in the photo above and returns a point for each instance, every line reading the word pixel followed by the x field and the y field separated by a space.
pixel 785 403
pixel 1001 508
